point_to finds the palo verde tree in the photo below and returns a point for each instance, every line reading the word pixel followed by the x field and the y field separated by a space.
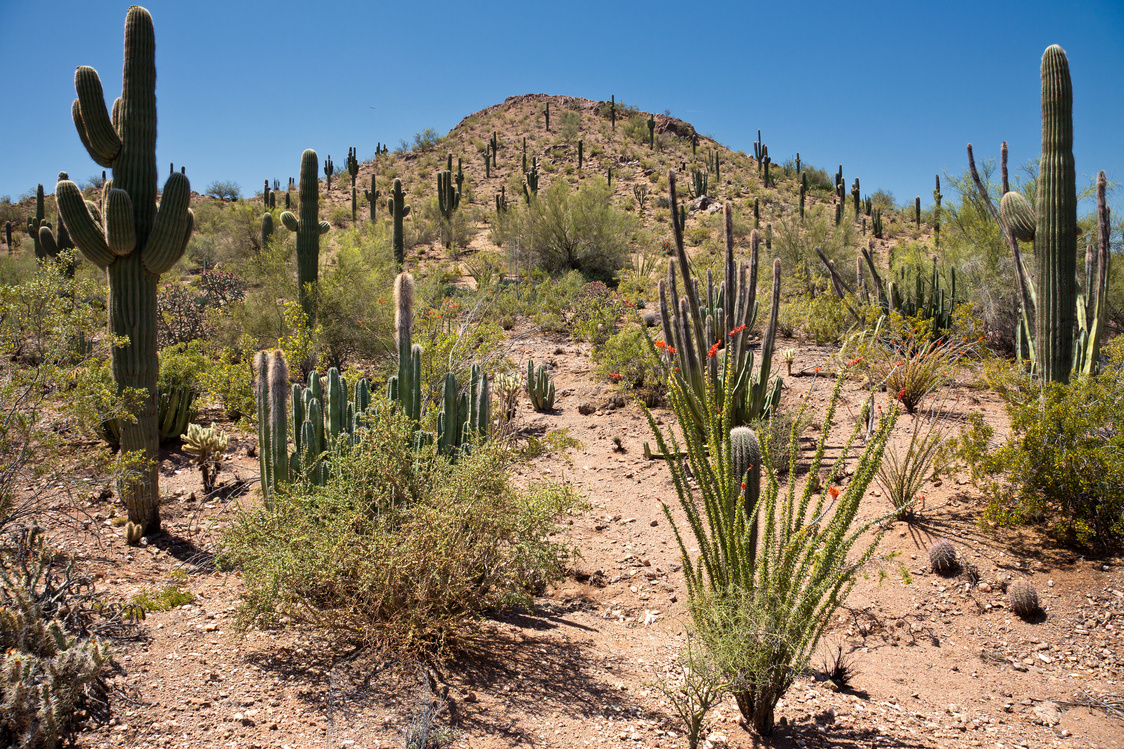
pixel 134 237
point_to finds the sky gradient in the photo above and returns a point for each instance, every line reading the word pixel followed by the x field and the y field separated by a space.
pixel 892 91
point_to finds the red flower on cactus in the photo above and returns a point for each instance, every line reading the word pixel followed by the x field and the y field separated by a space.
pixel 833 491
pixel 743 486
pixel 737 330
pixel 901 395
pixel 713 352
pixel 615 377
pixel 671 350
pixel 816 370
pixel 660 344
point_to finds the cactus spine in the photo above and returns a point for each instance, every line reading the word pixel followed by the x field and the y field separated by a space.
pixel 353 170
pixel 308 230
pixel 136 239
pixel 398 210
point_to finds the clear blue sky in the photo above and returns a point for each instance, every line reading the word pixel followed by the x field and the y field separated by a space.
pixel 892 90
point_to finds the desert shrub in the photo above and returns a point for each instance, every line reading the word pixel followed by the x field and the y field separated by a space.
pixel 1064 462
pixel 629 353
pixel 400 548
pixel 355 311
pixel 595 312
pixel 823 318
pixel 228 379
pixel 565 229
pixel 455 332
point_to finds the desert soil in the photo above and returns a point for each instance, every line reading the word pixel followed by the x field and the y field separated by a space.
pixel 939 661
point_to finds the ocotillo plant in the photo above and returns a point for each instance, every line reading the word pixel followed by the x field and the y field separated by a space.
pixel 696 334
pixel 398 210
pixel 329 170
pixel 372 197
pixel 1053 303
pixel 37 221
pixel 353 170
pixel 136 239
pixel 308 230
pixel 651 132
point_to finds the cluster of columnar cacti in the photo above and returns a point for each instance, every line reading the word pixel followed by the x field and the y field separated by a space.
pixel 308 229
pixel 372 197
pixel 329 170
pixel 699 180
pixel 324 412
pixel 466 417
pixel 134 237
pixel 501 200
pixel 353 170
pixel 876 222
pixel 919 299
pixel 540 387
pixel 696 332
pixel 1054 304
pixel 398 209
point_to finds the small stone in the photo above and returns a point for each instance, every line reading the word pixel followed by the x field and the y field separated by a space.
pixel 1047 714
pixel 654 523
pixel 585 408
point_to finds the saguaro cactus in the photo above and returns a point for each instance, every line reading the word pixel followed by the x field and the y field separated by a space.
pixel 34 223
pixel 266 229
pixel 937 214
pixel 398 210
pixel 308 229
pixel 132 236
pixel 329 170
pixel 372 197
pixel 353 170
pixel 54 241
pixel 651 132
pixel 613 110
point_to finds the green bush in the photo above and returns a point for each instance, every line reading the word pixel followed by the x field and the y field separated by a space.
pixel 629 353
pixel 1064 463
pixel 565 229
pixel 401 548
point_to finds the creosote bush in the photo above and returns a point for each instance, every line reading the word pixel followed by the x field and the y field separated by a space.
pixel 400 548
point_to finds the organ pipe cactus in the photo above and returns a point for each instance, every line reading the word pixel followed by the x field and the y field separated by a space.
pixel 697 333
pixel 540 387
pixel 699 179
pixel 398 210
pixel 466 417
pixel 531 183
pixel 308 229
pixel 353 170
pixel 134 237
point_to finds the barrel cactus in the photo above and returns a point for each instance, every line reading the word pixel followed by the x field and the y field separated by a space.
pixel 135 237
pixel 942 557
pixel 1024 598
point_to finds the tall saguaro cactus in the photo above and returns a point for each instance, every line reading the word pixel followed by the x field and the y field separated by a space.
pixel 353 170
pixel 134 237
pixel 398 210
pixel 308 229
pixel 34 223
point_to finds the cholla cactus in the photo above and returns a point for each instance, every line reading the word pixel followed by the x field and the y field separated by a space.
pixel 1024 598
pixel 942 557
pixel 507 388
pixel 207 446
pixel 788 356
